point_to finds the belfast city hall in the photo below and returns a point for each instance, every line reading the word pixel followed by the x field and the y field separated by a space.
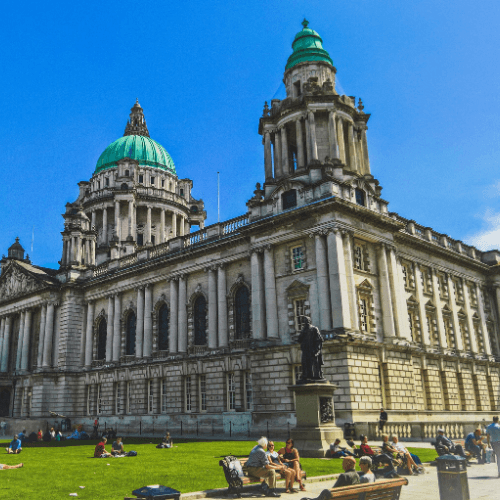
pixel 148 322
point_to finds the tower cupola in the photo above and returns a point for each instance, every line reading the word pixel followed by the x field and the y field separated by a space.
pixel 16 251
pixel 136 124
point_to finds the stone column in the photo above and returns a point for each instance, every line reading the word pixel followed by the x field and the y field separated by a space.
pixel 308 142
pixel 78 257
pixel 351 283
pixel 118 232
pixel 426 334
pixel 148 226
pixel 300 144
pixel 323 285
pixel 332 135
pixel 130 219
pixel 89 336
pixel 385 293
pixel 272 324
pixel 20 339
pixel 352 152
pixel 49 333
pixel 268 162
pixel 88 258
pixel 452 292
pixel 2 328
pixel 470 324
pixel 395 272
pixel 109 332
pixel 93 217
pixel 117 328
pixel 64 259
pixel 162 226
pixel 366 158
pixel 439 314
pixel 174 225
pixel 148 321
pixel 480 303
pixel 181 226
pixel 258 311
pixel 139 329
pixel 339 295
pixel 92 252
pixel 278 167
pixel 284 152
pixel 105 226
pixel 212 309
pixel 43 315
pixel 312 131
pixel 182 316
pixel 222 306
pixel 174 308
pixel 6 344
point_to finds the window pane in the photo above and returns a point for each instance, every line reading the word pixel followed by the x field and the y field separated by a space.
pixel 131 326
pixel 163 328
pixel 200 321
pixel 242 320
pixel 101 340
pixel 298 257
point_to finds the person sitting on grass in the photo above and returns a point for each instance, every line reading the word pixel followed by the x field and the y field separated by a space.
pixel 366 475
pixel 5 467
pixel 166 442
pixel 52 433
pixel 117 447
pixel 413 467
pixel 100 449
pixel 258 466
pixel 14 446
pixel 285 469
pixel 350 476
pixel 337 452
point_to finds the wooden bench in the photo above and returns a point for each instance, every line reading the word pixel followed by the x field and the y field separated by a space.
pixel 234 479
pixel 385 489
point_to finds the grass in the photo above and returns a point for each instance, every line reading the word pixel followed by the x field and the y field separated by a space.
pixel 54 470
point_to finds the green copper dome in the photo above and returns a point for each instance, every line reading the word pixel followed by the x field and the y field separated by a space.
pixel 307 46
pixel 139 148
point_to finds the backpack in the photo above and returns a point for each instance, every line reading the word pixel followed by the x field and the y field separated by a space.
pixel 131 454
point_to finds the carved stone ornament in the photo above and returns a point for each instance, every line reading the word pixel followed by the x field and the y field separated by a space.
pixel 15 283
pixel 326 410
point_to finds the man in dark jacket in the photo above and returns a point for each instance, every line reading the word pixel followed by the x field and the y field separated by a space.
pixel 382 419
pixel 350 476
pixel 448 445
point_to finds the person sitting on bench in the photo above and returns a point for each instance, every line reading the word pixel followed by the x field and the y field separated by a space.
pixel 474 444
pixel 413 467
pixel 285 469
pixel 377 457
pixel 258 466
pixel 366 475
pixel 337 452
pixel 448 445
pixel 14 446
pixel 117 447
pixel 350 476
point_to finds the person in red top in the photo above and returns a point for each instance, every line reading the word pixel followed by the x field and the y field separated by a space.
pixel 100 449
pixel 40 435
pixel 376 456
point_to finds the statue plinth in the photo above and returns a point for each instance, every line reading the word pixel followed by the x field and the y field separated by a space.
pixel 316 428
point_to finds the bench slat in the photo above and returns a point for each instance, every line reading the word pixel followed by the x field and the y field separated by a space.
pixel 372 491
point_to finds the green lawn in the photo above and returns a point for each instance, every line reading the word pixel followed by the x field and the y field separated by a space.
pixel 54 470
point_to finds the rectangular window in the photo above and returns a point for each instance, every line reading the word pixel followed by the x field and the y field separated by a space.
pixel 363 316
pixel 153 239
pixel 203 393
pixel 358 257
pixel 248 391
pixel 405 276
pixel 98 184
pixel 231 392
pixel 99 401
pixel 150 396
pixel 188 393
pixel 107 181
pixel 127 400
pixel 360 197
pixel 118 399
pixel 299 307
pixel 289 199
pixel 141 179
pixel 164 396
pixel 412 329
pixel 140 239
pixel 297 258
pixel 89 398
pixel 153 179
pixel 163 183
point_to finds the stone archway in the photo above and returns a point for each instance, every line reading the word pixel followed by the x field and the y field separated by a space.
pixel 4 402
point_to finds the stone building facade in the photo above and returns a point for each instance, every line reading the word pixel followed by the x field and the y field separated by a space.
pixel 147 320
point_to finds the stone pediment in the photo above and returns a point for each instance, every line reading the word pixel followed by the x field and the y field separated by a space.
pixel 17 281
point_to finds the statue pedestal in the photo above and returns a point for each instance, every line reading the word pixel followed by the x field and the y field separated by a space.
pixel 316 428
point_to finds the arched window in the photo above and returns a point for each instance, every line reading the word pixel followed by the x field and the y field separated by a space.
pixel 101 339
pixel 242 316
pixel 131 324
pixel 163 328
pixel 200 321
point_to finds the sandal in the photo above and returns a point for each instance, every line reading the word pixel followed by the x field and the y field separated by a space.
pixel 293 490
pixel 287 491
pixel 302 488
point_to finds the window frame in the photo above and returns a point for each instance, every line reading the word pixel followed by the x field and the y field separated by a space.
pixel 231 391
pixel 301 258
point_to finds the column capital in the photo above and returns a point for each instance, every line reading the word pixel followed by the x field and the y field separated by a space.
pixel 347 233
pixel 139 287
pixel 211 268
pixel 256 249
pixel 222 266
pixel 90 302
pixel 172 278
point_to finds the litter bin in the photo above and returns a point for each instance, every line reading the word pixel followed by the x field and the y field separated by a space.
pixel 157 492
pixel 452 478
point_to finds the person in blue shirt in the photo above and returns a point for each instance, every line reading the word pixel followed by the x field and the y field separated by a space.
pixel 493 436
pixel 14 446
pixel 474 444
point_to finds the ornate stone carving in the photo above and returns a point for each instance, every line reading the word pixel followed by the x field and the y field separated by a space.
pixel 326 410
pixel 15 283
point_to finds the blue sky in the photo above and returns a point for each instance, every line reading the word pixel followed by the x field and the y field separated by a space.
pixel 427 71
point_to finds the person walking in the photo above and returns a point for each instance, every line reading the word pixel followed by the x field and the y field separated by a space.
pixel 493 437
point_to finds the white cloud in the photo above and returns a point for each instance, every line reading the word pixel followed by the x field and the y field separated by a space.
pixel 488 238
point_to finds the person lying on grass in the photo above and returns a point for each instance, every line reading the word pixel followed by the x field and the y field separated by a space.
pixel 15 445
pixel 100 450
pixel 5 467
pixel 117 447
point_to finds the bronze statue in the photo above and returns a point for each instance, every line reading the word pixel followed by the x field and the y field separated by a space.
pixel 311 344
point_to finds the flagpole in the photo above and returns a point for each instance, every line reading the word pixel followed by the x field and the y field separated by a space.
pixel 218 198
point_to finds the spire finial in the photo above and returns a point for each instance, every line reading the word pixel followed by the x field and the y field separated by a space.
pixel 137 123
pixel 305 23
